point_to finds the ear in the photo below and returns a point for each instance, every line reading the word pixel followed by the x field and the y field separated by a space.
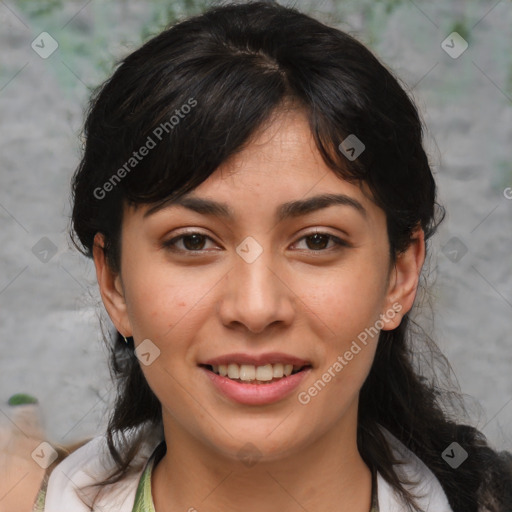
pixel 403 281
pixel 111 288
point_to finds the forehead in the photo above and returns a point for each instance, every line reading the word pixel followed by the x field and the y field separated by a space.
pixel 281 151
pixel 279 165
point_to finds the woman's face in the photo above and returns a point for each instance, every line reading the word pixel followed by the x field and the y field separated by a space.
pixel 256 289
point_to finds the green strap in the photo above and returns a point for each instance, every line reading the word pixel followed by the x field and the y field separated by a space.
pixel 143 497
pixel 41 495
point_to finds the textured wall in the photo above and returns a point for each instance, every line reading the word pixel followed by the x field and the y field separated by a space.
pixel 49 336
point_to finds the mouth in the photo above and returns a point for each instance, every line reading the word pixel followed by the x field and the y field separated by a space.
pixel 252 374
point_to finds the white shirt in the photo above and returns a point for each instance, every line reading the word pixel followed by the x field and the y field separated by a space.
pixel 90 462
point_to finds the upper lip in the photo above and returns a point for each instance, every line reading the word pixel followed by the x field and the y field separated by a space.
pixel 257 359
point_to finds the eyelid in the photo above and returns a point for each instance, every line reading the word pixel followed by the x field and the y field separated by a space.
pixel 170 244
pixel 339 242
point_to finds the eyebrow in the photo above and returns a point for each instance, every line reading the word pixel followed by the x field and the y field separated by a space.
pixel 285 211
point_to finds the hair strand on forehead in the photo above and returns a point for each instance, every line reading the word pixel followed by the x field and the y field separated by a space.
pixel 196 93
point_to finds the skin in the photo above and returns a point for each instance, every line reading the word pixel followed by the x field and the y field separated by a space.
pixel 303 298
pixel 20 476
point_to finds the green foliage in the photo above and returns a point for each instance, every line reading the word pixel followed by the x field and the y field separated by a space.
pixel 353 5
pixel 503 176
pixel 39 8
pixel 22 399
pixel 390 5
pixel 508 84
pixel 165 13
pixel 374 14
pixel 461 28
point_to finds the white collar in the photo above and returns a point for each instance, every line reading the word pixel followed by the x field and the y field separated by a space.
pixel 85 464
pixel 431 497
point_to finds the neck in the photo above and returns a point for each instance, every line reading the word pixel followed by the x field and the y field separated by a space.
pixel 328 475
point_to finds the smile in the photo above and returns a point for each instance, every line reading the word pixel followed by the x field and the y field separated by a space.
pixel 249 384
pixel 257 374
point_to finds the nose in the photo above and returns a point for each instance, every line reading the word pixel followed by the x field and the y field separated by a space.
pixel 256 295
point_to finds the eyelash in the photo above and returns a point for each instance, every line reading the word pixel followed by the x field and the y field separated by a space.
pixel 171 244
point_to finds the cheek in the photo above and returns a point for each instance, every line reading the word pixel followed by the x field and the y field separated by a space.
pixel 350 307
pixel 346 300
pixel 162 301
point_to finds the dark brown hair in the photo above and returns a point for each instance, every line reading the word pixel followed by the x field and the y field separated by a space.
pixel 240 64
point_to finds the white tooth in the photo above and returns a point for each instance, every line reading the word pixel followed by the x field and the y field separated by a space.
pixel 278 370
pixel 264 372
pixel 233 371
pixel 247 372
pixel 215 368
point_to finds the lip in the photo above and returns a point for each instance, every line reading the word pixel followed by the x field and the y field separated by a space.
pixel 257 359
pixel 256 394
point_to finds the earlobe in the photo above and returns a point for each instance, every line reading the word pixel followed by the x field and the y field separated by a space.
pixel 403 284
pixel 111 288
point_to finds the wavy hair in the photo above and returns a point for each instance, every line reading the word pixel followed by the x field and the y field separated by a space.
pixel 241 63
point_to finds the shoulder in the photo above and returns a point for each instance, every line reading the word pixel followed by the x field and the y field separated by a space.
pixel 68 484
pixel 424 484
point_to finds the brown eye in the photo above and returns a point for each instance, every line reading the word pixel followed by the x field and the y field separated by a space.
pixel 319 241
pixel 190 242
pixel 193 242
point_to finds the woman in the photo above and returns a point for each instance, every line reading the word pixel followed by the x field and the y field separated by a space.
pixel 257 201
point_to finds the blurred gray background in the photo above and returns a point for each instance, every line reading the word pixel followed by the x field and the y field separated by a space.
pixel 49 307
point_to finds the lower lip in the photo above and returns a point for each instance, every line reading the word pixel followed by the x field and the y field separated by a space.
pixel 257 394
